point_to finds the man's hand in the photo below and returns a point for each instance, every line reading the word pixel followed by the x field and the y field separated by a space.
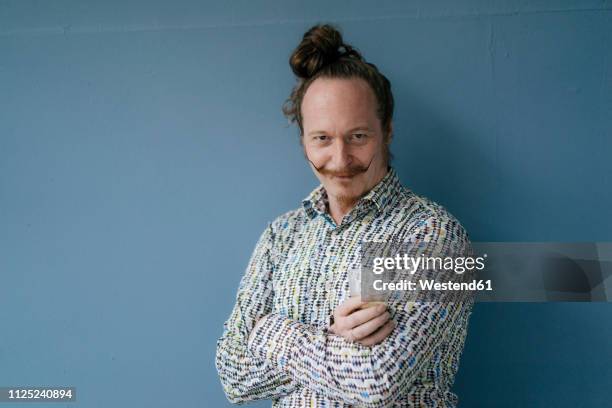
pixel 368 326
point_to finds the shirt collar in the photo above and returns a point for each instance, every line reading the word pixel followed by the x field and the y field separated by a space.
pixel 380 195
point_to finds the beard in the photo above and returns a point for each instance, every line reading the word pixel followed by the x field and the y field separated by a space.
pixel 347 200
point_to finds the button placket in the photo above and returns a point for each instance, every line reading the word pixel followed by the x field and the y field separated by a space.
pixel 322 280
pixel 329 276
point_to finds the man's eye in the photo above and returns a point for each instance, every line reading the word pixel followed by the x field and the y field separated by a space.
pixel 359 137
pixel 321 137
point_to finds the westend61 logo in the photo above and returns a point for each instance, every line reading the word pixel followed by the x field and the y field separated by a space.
pixel 411 264
pixel 394 269
pixel 494 271
pixel 437 273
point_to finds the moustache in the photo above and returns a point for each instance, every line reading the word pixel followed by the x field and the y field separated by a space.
pixel 351 170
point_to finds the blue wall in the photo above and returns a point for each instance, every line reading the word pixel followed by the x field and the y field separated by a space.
pixel 143 151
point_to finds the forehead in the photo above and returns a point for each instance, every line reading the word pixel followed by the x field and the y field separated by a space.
pixel 332 103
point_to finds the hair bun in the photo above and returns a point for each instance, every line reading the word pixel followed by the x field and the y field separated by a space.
pixel 321 45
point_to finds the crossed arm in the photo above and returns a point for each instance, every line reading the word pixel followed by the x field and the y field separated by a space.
pixel 283 353
pixel 244 376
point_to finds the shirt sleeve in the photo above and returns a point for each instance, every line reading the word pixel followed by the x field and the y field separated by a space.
pixel 244 376
pixel 372 376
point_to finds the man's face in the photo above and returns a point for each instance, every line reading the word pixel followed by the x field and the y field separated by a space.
pixel 343 137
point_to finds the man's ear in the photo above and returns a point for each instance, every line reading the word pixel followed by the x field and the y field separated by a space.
pixel 389 133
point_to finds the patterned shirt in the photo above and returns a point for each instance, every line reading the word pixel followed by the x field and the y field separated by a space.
pixel 297 276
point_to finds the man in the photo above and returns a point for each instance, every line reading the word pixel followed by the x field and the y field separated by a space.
pixel 294 335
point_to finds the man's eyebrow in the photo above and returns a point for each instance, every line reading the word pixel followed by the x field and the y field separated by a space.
pixel 350 130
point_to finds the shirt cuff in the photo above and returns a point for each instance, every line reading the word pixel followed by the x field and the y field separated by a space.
pixel 274 338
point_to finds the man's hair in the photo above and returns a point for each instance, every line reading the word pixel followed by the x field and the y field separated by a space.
pixel 323 54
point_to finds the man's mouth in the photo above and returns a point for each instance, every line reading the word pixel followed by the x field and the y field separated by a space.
pixel 344 176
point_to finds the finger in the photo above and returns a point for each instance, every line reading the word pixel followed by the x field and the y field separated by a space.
pixel 364 315
pixel 370 326
pixel 346 307
pixel 380 335
pixel 350 336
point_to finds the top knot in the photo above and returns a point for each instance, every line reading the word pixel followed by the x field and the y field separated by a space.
pixel 321 45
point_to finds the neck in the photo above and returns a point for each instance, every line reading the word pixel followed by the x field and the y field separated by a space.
pixel 338 209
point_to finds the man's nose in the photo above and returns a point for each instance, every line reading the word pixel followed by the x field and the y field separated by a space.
pixel 341 155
